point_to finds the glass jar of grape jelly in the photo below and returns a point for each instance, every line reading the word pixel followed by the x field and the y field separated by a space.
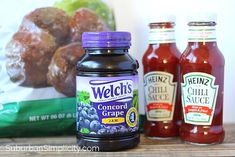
pixel 107 92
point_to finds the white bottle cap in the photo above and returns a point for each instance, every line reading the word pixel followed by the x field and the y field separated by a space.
pixel 162 18
pixel 202 17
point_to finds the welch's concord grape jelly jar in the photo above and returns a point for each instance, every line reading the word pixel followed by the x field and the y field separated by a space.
pixel 107 92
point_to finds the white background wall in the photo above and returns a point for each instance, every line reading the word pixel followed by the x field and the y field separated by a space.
pixel 133 16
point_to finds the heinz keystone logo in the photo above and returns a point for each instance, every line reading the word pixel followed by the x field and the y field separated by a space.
pixel 103 91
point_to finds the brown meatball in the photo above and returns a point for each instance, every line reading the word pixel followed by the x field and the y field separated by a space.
pixel 85 20
pixel 53 20
pixel 28 56
pixel 62 69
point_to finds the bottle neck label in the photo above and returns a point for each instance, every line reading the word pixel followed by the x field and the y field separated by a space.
pixel 201 34
pixel 166 35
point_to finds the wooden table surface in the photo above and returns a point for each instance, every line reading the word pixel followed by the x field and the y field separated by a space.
pixel 147 147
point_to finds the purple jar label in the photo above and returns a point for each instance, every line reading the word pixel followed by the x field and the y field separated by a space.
pixel 107 105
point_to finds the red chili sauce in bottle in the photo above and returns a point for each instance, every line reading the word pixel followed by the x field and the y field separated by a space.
pixel 202 87
pixel 161 88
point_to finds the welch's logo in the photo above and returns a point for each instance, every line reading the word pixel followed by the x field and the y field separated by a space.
pixel 104 91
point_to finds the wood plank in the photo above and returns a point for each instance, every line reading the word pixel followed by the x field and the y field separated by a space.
pixel 147 147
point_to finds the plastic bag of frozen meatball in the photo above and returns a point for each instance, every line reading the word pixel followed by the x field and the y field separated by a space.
pixel 40 46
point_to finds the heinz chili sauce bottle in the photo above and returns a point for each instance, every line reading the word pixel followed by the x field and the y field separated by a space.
pixel 202 83
pixel 161 70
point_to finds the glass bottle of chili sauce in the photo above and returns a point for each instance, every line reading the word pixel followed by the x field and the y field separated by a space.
pixel 202 83
pixel 161 70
